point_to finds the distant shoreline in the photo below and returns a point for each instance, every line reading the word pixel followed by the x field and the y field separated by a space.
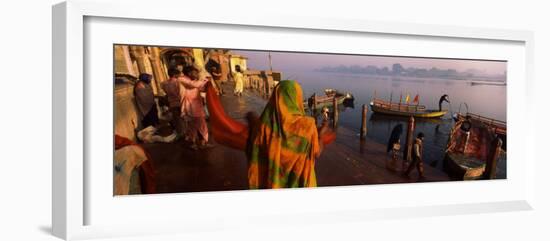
pixel 474 79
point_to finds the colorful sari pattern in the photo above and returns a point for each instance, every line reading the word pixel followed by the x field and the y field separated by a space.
pixel 283 147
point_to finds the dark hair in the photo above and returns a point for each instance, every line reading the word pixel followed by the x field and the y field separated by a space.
pixel 187 70
pixel 173 72
pixel 238 68
pixel 420 135
pixel 145 77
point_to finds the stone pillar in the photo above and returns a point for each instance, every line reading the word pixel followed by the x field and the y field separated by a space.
pixel 123 61
pixel 364 123
pixel 335 112
pixel 490 171
pixel 159 74
pixel 410 139
pixel 143 63
pixel 141 59
pixel 198 55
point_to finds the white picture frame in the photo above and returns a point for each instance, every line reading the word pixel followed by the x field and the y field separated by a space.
pixel 70 109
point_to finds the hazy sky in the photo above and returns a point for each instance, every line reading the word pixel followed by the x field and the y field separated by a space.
pixel 305 61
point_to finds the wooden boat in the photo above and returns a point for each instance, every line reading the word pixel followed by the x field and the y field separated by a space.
pixel 472 144
pixel 328 98
pixel 462 167
pixel 488 83
pixel 401 109
pixel 377 118
pixel 498 126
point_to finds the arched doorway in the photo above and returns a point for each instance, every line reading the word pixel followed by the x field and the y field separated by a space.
pixel 177 57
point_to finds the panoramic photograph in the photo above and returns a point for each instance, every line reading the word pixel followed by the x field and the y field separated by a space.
pixel 190 119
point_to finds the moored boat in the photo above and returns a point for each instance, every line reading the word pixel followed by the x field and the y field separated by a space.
pixel 473 147
pixel 498 126
pixel 404 109
pixel 328 99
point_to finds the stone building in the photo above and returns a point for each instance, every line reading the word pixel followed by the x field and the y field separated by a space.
pixel 238 60
pixel 262 81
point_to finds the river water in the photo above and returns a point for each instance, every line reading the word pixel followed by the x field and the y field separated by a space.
pixel 486 100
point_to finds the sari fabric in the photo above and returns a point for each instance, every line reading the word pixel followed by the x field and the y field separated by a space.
pixel 282 148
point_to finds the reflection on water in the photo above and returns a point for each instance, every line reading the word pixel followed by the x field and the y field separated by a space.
pixel 486 100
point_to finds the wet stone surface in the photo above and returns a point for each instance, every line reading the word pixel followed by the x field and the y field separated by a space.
pixel 347 161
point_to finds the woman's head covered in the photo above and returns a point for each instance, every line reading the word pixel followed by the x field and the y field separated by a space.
pixel 289 93
pixel 284 144
pixel 146 78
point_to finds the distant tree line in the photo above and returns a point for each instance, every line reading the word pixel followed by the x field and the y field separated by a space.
pixel 398 70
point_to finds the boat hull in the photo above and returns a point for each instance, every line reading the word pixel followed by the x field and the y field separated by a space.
pixel 461 167
pixel 328 103
pixel 418 114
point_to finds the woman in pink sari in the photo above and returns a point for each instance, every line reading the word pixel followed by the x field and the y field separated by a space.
pixel 192 108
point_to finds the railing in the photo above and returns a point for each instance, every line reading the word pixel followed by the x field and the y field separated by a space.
pixel 397 106
pixel 321 99
pixel 487 120
pixel 500 126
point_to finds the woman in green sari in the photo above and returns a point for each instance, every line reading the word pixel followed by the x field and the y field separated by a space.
pixel 281 145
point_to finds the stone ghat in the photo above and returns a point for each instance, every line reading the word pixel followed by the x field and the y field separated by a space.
pixel 347 161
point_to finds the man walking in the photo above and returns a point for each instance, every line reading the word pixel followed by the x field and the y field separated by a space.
pixel 238 77
pixel 417 156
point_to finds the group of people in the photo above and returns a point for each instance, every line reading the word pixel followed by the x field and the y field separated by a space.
pixel 183 93
pixel 184 97
pixel 184 101
pixel 282 143
pixel 394 148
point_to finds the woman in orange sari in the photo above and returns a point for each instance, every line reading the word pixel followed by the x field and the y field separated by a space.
pixel 281 145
